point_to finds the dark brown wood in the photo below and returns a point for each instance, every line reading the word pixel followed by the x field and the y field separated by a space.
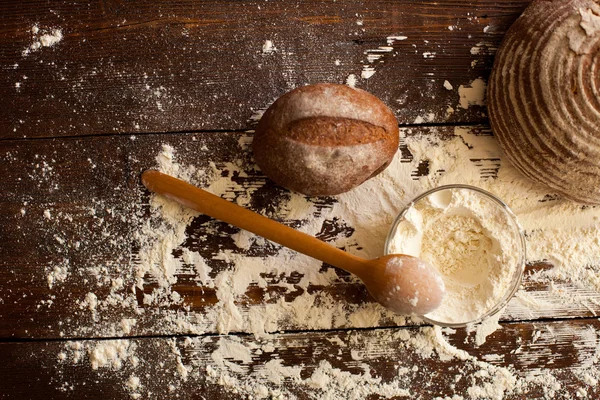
pixel 91 187
pixel 139 66
pixel 569 352
pixel 193 74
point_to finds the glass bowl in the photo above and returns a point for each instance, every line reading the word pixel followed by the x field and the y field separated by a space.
pixel 440 198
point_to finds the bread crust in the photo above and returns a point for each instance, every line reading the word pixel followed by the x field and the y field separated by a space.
pixel 543 97
pixel 325 139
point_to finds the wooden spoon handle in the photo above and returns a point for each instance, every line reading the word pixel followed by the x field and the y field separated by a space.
pixel 223 210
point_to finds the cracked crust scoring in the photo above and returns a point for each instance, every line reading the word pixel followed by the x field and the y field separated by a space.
pixel 325 139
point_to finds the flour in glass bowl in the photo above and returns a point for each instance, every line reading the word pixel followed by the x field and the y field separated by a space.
pixel 473 242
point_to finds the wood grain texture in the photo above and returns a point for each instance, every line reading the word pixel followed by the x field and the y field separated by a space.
pixel 559 351
pixel 194 74
pixel 138 66
pixel 95 202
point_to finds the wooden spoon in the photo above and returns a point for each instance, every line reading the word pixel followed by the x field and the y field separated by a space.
pixel 401 283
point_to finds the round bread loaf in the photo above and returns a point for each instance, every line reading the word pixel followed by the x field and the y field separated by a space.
pixel 325 139
pixel 544 96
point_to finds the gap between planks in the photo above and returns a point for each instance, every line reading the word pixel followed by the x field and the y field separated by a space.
pixel 484 123
pixel 281 332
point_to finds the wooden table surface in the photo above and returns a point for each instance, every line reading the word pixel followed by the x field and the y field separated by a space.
pixel 83 118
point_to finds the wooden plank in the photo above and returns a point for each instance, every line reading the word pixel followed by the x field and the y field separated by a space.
pixel 521 361
pixel 71 209
pixel 127 67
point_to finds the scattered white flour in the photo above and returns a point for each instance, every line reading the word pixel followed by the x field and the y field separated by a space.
pixel 471 241
pixel 110 354
pixel 91 300
pixel 194 289
pixel 392 39
pixel 127 325
pixel 472 94
pixel 468 148
pixel 486 328
pixel 475 50
pixel 58 273
pixel 257 115
pixel 133 383
pixel 43 38
pixel 229 365
pixel 268 47
pixel 485 47
pixel 375 56
pixel 427 118
pixel 367 72
pixel 351 80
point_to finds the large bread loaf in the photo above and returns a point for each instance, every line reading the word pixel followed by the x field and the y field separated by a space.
pixel 544 96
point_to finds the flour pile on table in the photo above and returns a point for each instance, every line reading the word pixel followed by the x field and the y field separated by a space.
pixel 363 217
pixel 43 37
